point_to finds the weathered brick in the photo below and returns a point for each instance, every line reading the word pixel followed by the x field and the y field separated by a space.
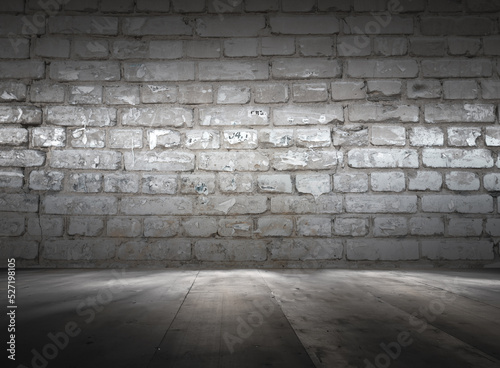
pixel 463 137
pixel 22 69
pixel 390 226
pixel 334 5
pixel 378 24
pixel 422 136
pixel 159 71
pixel 369 5
pixel 123 227
pixel 425 180
pixel 20 24
pixel 309 92
pixel 234 205
pixel 45 92
pixel 234 115
pixel 90 48
pixel 350 226
pixel 125 138
pixel 276 137
pixel 297 68
pixel 188 6
pixel 22 158
pixel 310 249
pixel 84 71
pixel 428 88
pixel 121 183
pixel 297 5
pixel 387 68
pixel 492 182
pixel 492 136
pixel 457 158
pixel 351 135
pixel 13 136
pixel 306 160
pixel 85 159
pixel 348 91
pixel 490 45
pixel 79 205
pixel 85 226
pixel 492 227
pixel 160 250
pixel 156 26
pixel 315 184
pixel 121 95
pixel 383 158
pixel 240 139
pixel 490 89
pixel 202 139
pixel 85 183
pixel 18 202
pixel 427 46
pixel 12 91
pixel 240 47
pixel 236 183
pixel 52 47
pixel 270 93
pixel 316 46
pixel 460 26
pixel 78 5
pixel 314 226
pixel 156 116
pixel 350 183
pixel 221 250
pixel 464 227
pixel 391 181
pixel 19 249
pixel 261 5
pixel 159 161
pixel 277 46
pixel 154 49
pixel 455 249
pixel 152 93
pixel 462 180
pixel 161 227
pixel 96 25
pixel 230 26
pixel 460 90
pixel 85 95
pixel 195 94
pixel 304 24
pixel 162 138
pixel 326 203
pixel 11 178
pixel 479 203
pixel 233 161
pixel 236 227
pixel 388 135
pixel 117 6
pixel 20 115
pixel 460 113
pixel 156 205
pixel 12 226
pixel 456 68
pixel 483 6
pixel 381 203
pixel 233 70
pixel 228 94
pixel 46 180
pixel 387 113
pixel 87 138
pixel 159 184
pixel 14 48
pixel 274 226
pixel 198 184
pixel 79 249
pixel 426 226
pixel 320 137
pixel 381 249
pixel 305 115
pixel 201 227
pixel 203 49
pixel 390 46
pixel 13 6
pixel 275 183
pixel 464 46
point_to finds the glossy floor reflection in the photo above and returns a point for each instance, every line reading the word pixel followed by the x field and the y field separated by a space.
pixel 256 318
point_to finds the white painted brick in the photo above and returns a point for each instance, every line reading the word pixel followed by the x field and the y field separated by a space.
pixel 45 92
pixel 233 161
pixel 79 205
pixel 159 250
pixel 297 68
pixel 125 138
pixel 303 115
pixel 161 227
pixel 309 92
pixel 22 158
pixel 462 180
pixel 222 250
pixel 424 88
pixel 426 226
pixel 13 136
pixel 456 249
pixel 277 46
pixel 457 158
pixel 350 183
pixel 85 95
pixel 11 91
pixel 121 183
pixel 203 49
pixel 198 183
pixel 304 24
pixel 159 184
pixel 11 178
pixel 425 137
pixel 46 180
pixel 348 91
pixel 121 95
pixel 464 227
pixel 492 136
pixel 202 227
pixel 233 94
pixel 123 227
pixel 306 160
pixel 464 46
pixel 202 139
pixel 388 135
pixel 52 47
pixel 380 203
pixel 79 249
pixel 274 226
pixel 383 158
pixel 463 137
pixel 159 71
pixel 240 139
pixel 326 203
pixel 490 89
pixel 156 116
pixel 381 249
pixel 159 161
pixel 29 69
pixel 270 93
pixel 480 203
pixel 20 115
pixel 460 90
pixel 310 249
pixel 387 113
pixel 233 70
pixel 90 48
pixel 240 47
pixel 234 205
pixel 315 184
pixel 320 137
pixel 388 181
pixel 85 183
pixel 164 138
pixel 427 46
pixel 492 182
pixel 236 227
pixel 383 89
pixel 456 68
pixel 195 94
pixel 425 180
pixel 48 226
pixel 390 46
pixel 350 226
pixel 86 159
pixel 276 137
pixel 275 183
pixel 492 227
pixel 84 71
pixel 85 226
pixel 314 226
pixel 155 26
pixel 316 46
pixel 236 183
pixel 234 115
pixel 352 46
pixel 18 202
pixel 156 205
pixel 387 68
pixel 230 26
pixel 12 226
pixel 351 135
pixel 390 226
pixel 154 93
pixel 80 116
pixel 87 138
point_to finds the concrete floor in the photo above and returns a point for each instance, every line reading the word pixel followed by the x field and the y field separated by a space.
pixel 256 318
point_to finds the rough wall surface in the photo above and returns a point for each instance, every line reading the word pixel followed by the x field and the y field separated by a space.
pixel 264 133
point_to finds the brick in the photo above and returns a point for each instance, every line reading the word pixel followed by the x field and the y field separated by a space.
pixel 11 178
pixel 80 116
pixel 390 46
pixel 386 113
pixel 422 136
pixel 369 6
pixel 159 250
pixel 201 227
pixel 297 68
pixel 350 226
pixel 234 116
pixel 277 46
pixel 221 250
pixel 463 137
pixel 350 183
pixel 95 25
pixel 20 115
pixel 18 249
pixel 306 160
pixel 195 94
pixel 159 161
pixel 79 205
pixel 320 137
pixel 125 138
pixel 158 71
pixel 316 46
pixel 198 184
pixel 161 227
pixel 85 226
pixel 275 183
pixel 156 116
pixel 12 226
pixel 152 93
pixel 202 139
pixel 426 226
pixel 480 203
pixel 425 180
pixel 309 92
pixel 492 136
pixel 457 158
pixel 270 93
pixel 121 95
pixel 18 202
pixel 85 159
pixel 154 49
pixel 203 49
pixel 304 24
pixel 424 89
pixel 13 6
pixel 85 183
pixel 327 203
pixel 350 135
pixel 455 249
pixel 483 6
pixel 261 5
pixel 490 45
pixel 427 46
pixel 276 137
pixel 445 6
pixel 297 5
pixel 387 68
pixel 77 5
pixel 460 90
pixel 334 5
pixel 383 158
pixel 240 47
pixel 314 226
pixel 232 70
pixel 348 91
pixel 240 139
pixel 12 91
pixel 162 138
pixel 45 92
pixel 269 226
pixel 459 113
pixel 236 205
pixel 390 226
pixel 236 227
pixel 121 183
pixel 79 249
pixel 22 158
pixel 85 95
pixel 464 227
pixel 304 115
pixel 188 6
pixel 157 205
pixel 392 181
pixel 233 161
pixel 87 138
pixel 311 249
pixel 492 227
pixel 22 69
pixel 156 26
pixel 46 180
pixel 378 24
pixel 461 180
pixel 492 182
pixel 13 136
pixel 236 183
pixel 21 25
pixel 159 184
pixel 388 135
pixel 456 68
pixel 381 203
pixel 315 184
pixel 230 26
pixel 52 47
pixel 382 249
pixel 123 227
pixel 233 95
pixel 117 6
pixel 490 89
pixel 90 49
pixel 459 26
pixel 84 71
pixel 464 46
pixel 407 6
pixel 14 48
